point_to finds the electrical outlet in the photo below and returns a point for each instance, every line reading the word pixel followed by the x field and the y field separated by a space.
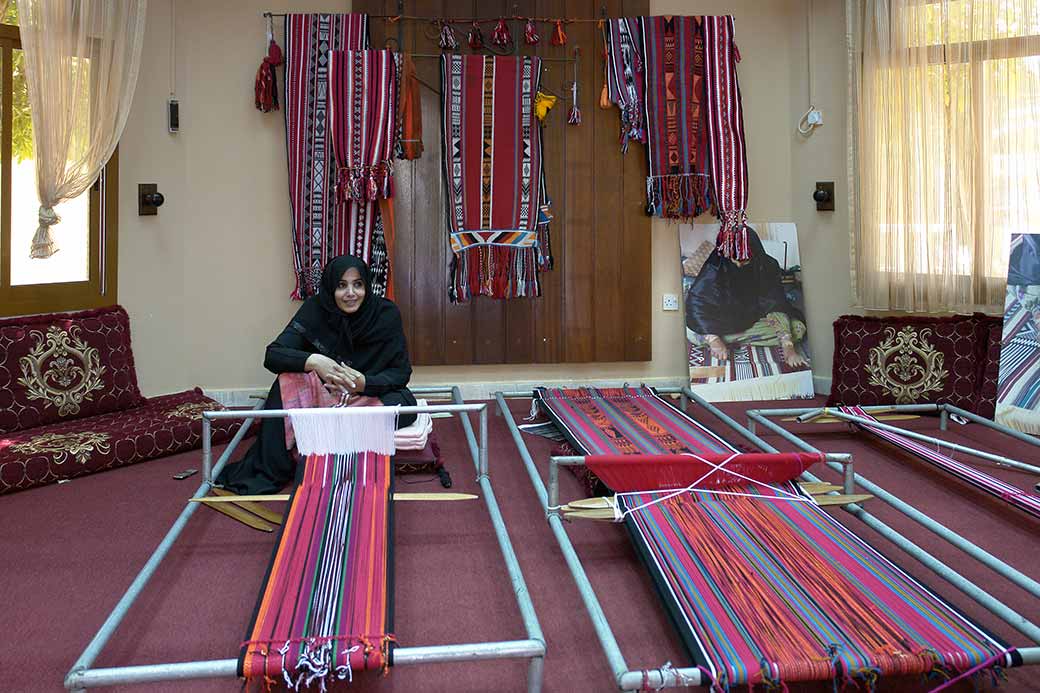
pixel 670 302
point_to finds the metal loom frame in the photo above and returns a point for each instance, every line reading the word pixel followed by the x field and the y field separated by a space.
pixel 668 676
pixel 82 676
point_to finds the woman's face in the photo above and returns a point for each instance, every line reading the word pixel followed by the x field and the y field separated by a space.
pixel 350 291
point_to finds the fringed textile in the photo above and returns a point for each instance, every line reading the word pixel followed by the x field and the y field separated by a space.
pixel 624 76
pixel 410 138
pixel 363 123
pixel 726 134
pixel 495 177
pixel 773 590
pixel 315 222
pixel 1023 500
pixel 362 430
pixel 678 186
pixel 326 608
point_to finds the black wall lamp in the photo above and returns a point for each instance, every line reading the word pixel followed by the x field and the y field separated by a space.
pixel 149 199
pixel 824 196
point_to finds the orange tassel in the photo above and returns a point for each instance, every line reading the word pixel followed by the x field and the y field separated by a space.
pixel 559 38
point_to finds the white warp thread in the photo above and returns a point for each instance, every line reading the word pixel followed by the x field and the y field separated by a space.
pixel 344 430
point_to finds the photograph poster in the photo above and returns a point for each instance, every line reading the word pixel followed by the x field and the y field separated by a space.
pixel 745 322
pixel 1018 390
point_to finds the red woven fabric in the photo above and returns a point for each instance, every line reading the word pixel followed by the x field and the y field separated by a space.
pixel 625 473
pixel 163 426
pixel 63 366
pixel 915 360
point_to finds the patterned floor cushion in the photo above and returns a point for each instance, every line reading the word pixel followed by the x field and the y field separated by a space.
pixel 915 360
pixel 163 426
pixel 63 366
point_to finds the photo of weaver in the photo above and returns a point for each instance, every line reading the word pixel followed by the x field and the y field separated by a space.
pixel 745 321
pixel 1018 394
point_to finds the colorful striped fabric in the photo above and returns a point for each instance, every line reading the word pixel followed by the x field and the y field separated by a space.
pixel 1024 500
pixel 626 421
pixel 776 591
pixel 325 611
pixel 761 584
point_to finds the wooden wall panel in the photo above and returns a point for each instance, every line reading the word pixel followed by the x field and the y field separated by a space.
pixel 596 302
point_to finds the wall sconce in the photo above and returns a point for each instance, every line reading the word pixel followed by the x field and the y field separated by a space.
pixel 149 199
pixel 824 196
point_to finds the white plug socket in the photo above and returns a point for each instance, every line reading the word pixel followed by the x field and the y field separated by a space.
pixel 669 302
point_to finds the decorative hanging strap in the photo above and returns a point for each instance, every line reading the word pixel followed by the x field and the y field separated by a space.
pixel 501 35
pixel 531 37
pixel 448 42
pixel 559 38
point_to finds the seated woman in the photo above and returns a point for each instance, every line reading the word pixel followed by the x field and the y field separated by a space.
pixel 743 303
pixel 353 340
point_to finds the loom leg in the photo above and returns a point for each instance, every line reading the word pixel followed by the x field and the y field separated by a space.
pixel 534 674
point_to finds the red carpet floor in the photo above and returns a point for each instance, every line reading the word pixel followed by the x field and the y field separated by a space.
pixel 69 551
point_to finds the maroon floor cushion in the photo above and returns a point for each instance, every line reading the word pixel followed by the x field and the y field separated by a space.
pixel 63 366
pixel 163 426
pixel 425 461
pixel 916 360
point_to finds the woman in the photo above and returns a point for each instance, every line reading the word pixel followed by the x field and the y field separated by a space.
pixel 743 303
pixel 353 340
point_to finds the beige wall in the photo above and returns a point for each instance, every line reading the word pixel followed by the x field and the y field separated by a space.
pixel 206 281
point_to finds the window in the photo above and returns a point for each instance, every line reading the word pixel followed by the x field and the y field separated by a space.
pixel 948 150
pixel 82 274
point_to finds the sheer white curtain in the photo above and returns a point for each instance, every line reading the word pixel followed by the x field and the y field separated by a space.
pixel 81 63
pixel 944 148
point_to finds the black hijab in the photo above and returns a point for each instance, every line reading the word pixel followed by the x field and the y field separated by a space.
pixel 726 298
pixel 366 339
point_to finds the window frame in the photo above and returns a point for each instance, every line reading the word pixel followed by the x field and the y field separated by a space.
pixel 100 287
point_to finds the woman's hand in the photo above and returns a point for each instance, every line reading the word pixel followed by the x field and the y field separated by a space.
pixel 330 372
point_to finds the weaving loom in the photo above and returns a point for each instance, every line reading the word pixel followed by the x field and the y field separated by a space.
pixel 762 585
pixel 1023 500
pixel 325 610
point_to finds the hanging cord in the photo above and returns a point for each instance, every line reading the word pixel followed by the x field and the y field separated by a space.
pixel 805 127
pixel 574 116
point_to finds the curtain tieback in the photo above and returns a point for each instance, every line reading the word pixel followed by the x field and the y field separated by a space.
pixel 42 243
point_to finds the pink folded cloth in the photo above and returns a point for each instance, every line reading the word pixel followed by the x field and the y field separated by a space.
pixel 414 437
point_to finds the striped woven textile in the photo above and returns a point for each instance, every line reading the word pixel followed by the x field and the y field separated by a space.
pixel 1024 500
pixel 727 146
pixel 626 421
pixel 776 591
pixel 495 177
pixel 678 185
pixel 325 610
pixel 1019 356
pixel 363 122
pixel 316 223
pixel 623 37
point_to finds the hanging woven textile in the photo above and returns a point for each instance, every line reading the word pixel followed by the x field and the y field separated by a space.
pixel 624 76
pixel 325 610
pixel 363 129
pixel 728 148
pixel 495 178
pixel 678 186
pixel 315 222
pixel 410 142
